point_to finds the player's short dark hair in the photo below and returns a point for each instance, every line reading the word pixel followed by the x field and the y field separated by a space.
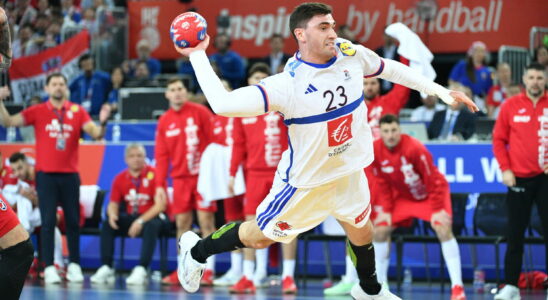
pixel 17 156
pixel 276 36
pixel 304 12
pixel 535 66
pixel 54 75
pixel 172 80
pixel 259 67
pixel 389 119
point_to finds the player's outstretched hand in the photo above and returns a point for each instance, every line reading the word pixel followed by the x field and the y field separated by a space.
pixel 201 46
pixel 460 97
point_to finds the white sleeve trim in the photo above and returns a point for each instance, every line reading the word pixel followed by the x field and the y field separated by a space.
pixel 401 74
pixel 243 102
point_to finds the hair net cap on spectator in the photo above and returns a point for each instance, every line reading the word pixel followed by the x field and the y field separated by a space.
pixel 412 48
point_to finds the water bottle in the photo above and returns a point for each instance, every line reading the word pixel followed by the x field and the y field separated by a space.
pixel 407 279
pixel 116 130
pixel 479 281
pixel 11 134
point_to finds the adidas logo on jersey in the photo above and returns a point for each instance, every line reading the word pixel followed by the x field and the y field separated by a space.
pixel 310 89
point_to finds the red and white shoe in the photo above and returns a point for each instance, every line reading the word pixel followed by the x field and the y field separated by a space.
pixel 207 279
pixel 288 285
pixel 171 279
pixel 457 293
pixel 243 286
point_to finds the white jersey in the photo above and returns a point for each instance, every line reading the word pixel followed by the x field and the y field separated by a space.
pixel 324 108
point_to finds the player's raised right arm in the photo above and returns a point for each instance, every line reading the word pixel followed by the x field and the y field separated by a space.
pixel 242 102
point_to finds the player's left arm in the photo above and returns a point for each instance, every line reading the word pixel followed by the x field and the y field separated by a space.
pixel 399 73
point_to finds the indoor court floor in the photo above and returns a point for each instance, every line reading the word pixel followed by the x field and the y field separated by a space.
pixel 35 290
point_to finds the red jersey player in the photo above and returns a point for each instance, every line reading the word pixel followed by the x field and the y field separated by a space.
pixel 134 189
pixel 412 187
pixel 260 141
pixel 182 134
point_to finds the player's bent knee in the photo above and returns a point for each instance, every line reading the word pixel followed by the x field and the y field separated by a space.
pixel 443 232
pixel 252 236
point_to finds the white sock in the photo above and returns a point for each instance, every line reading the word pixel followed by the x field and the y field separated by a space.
pixel 351 273
pixel 236 263
pixel 382 260
pixel 288 268
pixel 261 260
pixel 451 254
pixel 210 263
pixel 249 269
pixel 58 248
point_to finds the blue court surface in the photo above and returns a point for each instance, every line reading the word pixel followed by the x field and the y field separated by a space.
pixel 35 290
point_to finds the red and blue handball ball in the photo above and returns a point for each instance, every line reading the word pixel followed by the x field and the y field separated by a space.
pixel 188 30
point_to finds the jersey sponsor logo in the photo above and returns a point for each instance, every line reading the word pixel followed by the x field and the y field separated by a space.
pixel 347 49
pixel 150 175
pixel 74 108
pixel 310 89
pixel 192 143
pixel 388 169
pixel 522 111
pixel 339 130
pixel 283 226
pixel 54 129
pixel 173 132
pixel 362 216
pixel 522 119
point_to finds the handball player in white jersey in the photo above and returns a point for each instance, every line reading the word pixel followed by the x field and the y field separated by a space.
pixel 320 95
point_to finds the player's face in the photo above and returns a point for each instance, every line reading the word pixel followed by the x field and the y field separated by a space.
pixel 320 35
pixel 176 94
pixel 135 159
pixel 535 82
pixel 390 134
pixel 256 77
pixel 20 169
pixel 57 88
pixel 371 88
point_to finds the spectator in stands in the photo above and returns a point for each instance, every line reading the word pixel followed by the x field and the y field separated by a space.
pixel 344 32
pixel 38 42
pixel 410 186
pixel 91 88
pixel 454 123
pixel 89 22
pixel 389 49
pixel 541 56
pixel 230 63
pixel 117 79
pixel 53 34
pixel 20 44
pixel 379 105
pixel 185 68
pixel 473 72
pixel 276 57
pixel 426 111
pixel 24 13
pixel 71 11
pixel 183 132
pixel 498 92
pixel 58 126
pixel 143 54
pixel 521 149
pixel 132 210
pixel 44 7
pixel 141 77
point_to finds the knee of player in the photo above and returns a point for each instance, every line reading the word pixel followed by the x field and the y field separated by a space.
pixel 263 243
pixel 444 232
pixel 381 234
